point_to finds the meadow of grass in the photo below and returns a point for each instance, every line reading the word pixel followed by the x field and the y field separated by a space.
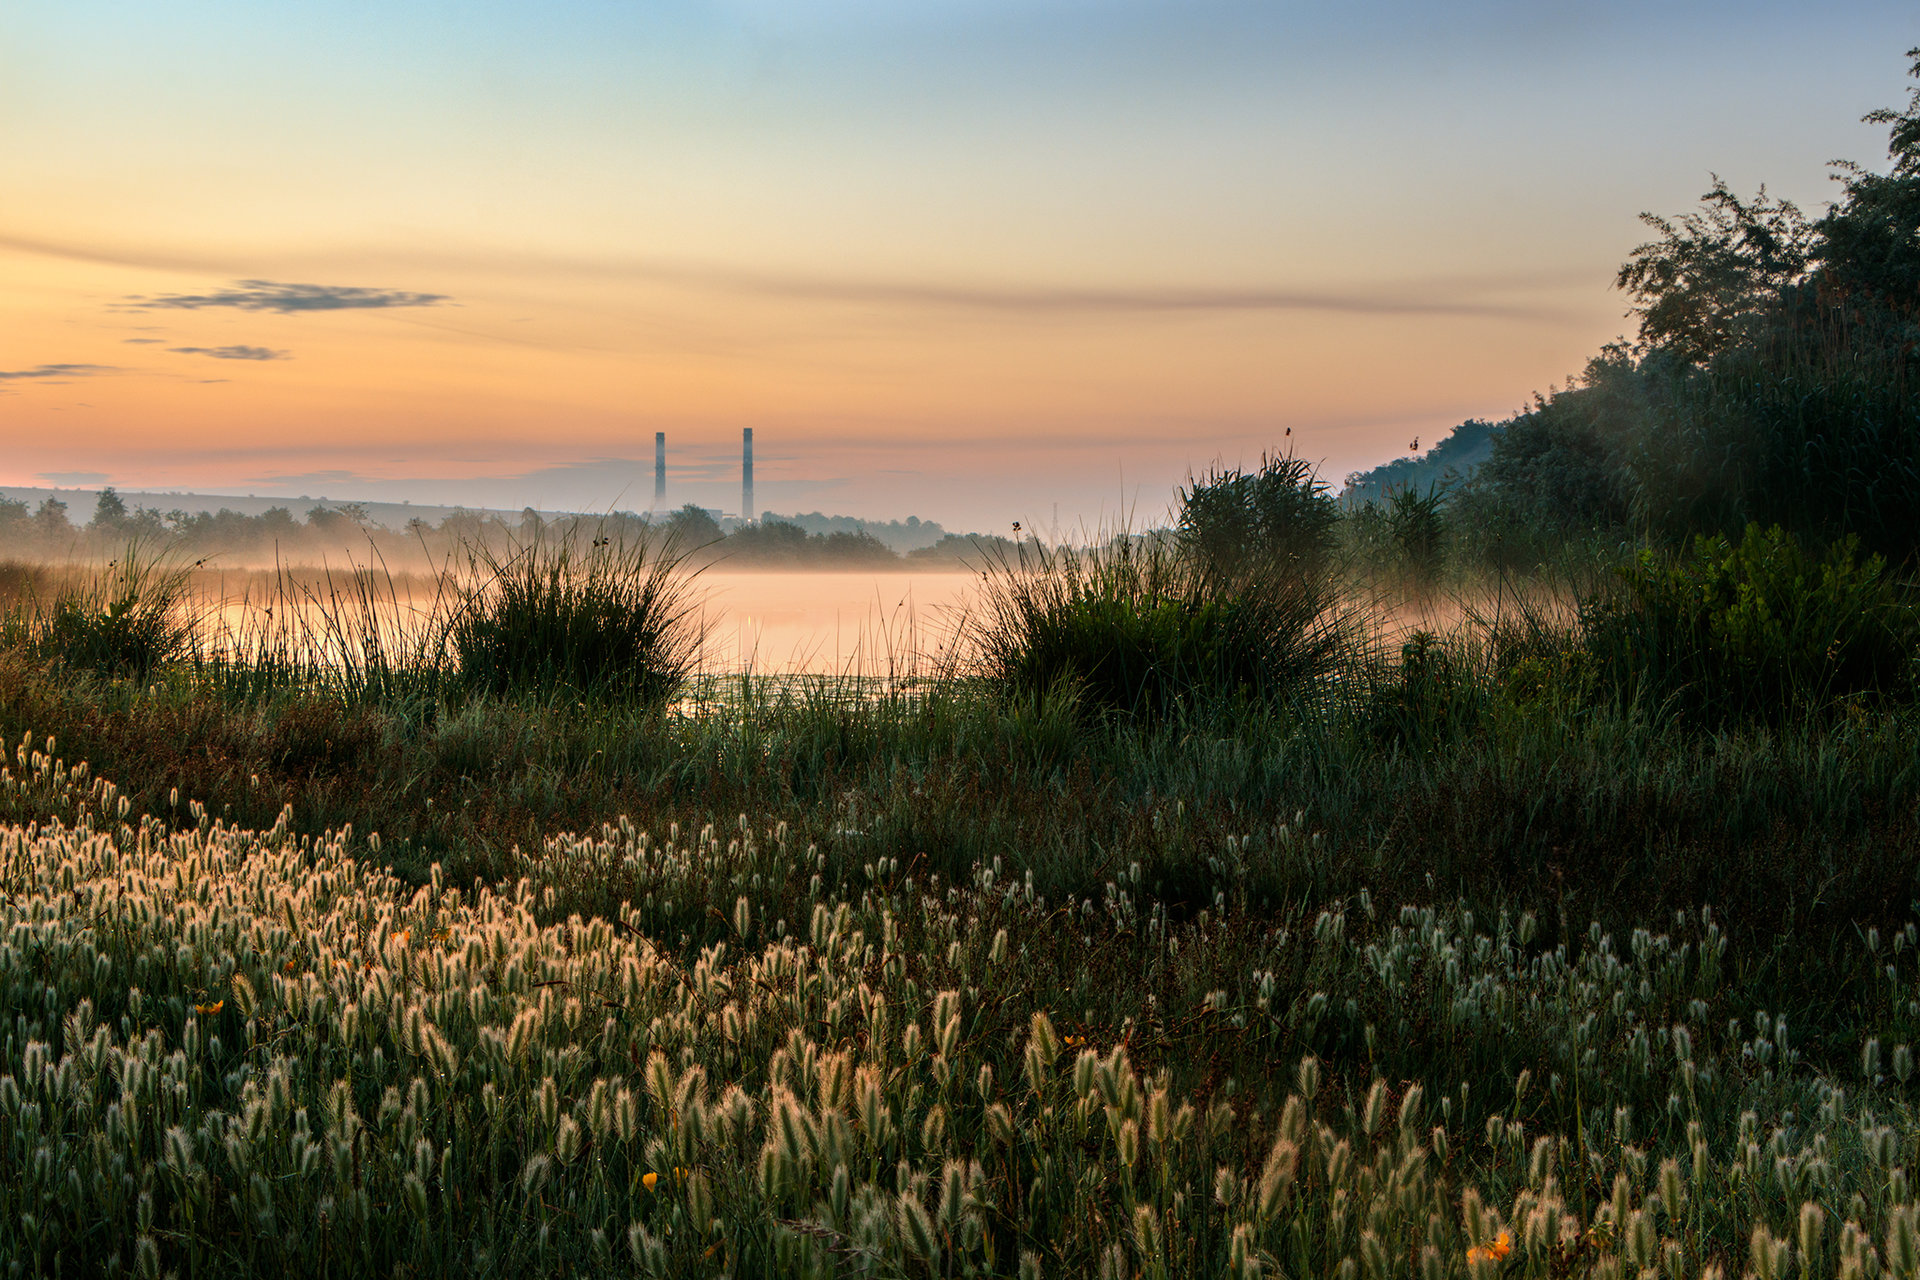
pixel 1455 954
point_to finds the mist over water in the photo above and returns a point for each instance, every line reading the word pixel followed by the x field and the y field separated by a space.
pixel 857 623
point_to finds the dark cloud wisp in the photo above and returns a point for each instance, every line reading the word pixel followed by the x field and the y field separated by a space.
pixel 288 299
pixel 236 352
pixel 54 371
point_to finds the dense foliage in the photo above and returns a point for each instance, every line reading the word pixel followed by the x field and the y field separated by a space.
pixel 1773 381
pixel 1759 628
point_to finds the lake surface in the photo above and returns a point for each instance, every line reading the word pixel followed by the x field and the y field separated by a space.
pixel 772 623
pixel 868 624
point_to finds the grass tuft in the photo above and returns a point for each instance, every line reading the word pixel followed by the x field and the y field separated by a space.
pixel 123 620
pixel 565 616
pixel 1142 626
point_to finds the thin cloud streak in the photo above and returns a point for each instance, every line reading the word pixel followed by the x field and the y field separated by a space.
pixel 1459 297
pixel 288 299
pixel 56 371
pixel 237 352
pixel 1055 300
pixel 143 259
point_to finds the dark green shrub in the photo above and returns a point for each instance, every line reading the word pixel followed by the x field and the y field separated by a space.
pixel 1432 696
pixel 565 616
pixel 1418 530
pixel 1143 625
pixel 1759 630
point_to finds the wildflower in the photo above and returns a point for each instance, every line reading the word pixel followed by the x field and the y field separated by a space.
pixel 648 1179
pixel 1073 1042
pixel 401 936
pixel 209 1010
pixel 1494 1250
pixel 289 966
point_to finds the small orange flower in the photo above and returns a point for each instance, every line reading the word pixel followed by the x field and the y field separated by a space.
pixel 1495 1250
pixel 648 1179
pixel 289 966
pixel 402 935
pixel 209 1010
pixel 1073 1041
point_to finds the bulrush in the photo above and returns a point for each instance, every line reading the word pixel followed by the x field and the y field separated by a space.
pixel 233 1053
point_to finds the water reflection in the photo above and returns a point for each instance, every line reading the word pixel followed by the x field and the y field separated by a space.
pixel 887 626
pixel 863 624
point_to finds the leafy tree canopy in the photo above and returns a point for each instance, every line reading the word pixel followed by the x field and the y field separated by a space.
pixel 1712 271
pixel 1715 275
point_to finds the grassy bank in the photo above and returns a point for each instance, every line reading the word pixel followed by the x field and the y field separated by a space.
pixel 1444 959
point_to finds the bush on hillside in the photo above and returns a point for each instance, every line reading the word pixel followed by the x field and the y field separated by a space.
pixel 1762 629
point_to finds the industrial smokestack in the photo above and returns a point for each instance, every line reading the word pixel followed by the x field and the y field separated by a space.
pixel 659 470
pixel 746 475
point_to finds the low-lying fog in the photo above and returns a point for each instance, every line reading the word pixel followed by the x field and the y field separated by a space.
pixel 777 623
pixel 817 623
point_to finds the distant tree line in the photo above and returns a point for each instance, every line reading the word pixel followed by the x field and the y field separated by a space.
pixel 50 531
pixel 779 543
pixel 904 536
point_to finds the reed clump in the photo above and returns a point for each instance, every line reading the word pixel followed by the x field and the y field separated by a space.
pixel 574 616
pixel 121 620
pixel 1146 626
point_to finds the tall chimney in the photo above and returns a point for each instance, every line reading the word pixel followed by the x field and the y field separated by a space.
pixel 659 470
pixel 746 475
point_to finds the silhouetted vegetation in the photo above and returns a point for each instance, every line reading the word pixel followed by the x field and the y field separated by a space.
pixel 776 543
pixel 902 536
pixel 1450 462
pixel 1772 383
pixel 332 532
pixel 1198 922
pixel 556 618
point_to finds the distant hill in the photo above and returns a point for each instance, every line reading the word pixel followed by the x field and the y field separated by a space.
pixel 1447 464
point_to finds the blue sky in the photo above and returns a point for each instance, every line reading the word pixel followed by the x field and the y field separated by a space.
pixel 960 258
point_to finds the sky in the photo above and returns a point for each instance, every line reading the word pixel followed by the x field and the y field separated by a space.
pixel 972 260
